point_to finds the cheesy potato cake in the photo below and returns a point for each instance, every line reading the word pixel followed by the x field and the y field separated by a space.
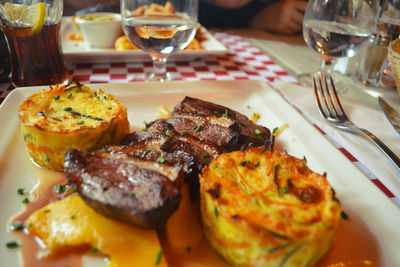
pixel 263 208
pixel 62 117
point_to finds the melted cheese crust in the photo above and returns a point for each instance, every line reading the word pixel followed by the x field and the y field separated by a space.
pixel 262 208
pixel 63 117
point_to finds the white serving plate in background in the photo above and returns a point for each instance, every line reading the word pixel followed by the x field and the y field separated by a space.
pixel 80 52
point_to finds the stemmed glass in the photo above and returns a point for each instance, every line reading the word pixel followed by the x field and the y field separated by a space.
pixel 160 28
pixel 337 28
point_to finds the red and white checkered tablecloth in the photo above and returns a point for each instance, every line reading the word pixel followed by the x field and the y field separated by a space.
pixel 243 62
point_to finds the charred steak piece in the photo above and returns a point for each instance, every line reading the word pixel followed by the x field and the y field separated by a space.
pixel 177 165
pixel 251 133
pixel 202 151
pixel 203 129
pixel 122 190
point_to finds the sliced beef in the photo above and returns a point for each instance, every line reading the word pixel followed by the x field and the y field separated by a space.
pixel 202 152
pixel 177 165
pixel 201 128
pixel 251 134
pixel 121 189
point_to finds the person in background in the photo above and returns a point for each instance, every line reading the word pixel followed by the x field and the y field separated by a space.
pixel 72 6
pixel 277 16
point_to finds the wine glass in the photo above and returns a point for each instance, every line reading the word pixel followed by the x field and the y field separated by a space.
pixel 160 28
pixel 337 28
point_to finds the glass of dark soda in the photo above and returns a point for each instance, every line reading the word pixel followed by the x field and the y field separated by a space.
pixel 32 31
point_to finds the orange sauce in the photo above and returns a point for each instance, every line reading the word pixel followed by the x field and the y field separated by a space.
pixel 183 240
pixel 353 245
pixel 42 195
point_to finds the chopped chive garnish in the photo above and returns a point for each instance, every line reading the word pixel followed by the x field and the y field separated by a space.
pixel 67 109
pixel 217 113
pixel 258 131
pixel 57 97
pixel 274 130
pixel 257 164
pixel 21 191
pixel 46 210
pixel 159 256
pixel 216 212
pixel 161 160
pixel 109 108
pixel 69 95
pixel 205 155
pixel 197 128
pixel 344 215
pixel 94 250
pixel 276 177
pixel 184 131
pixel 25 200
pixel 72 217
pixel 132 194
pixel 226 114
pixel 16 226
pixel 59 188
pixel 146 152
pixel 80 122
pixel 105 97
pixel 285 190
pixel 12 244
pixel 46 159
pixel 248 106
pixel 169 133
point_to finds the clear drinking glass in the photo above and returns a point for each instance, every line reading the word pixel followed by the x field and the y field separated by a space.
pixel 337 28
pixel 32 31
pixel 160 28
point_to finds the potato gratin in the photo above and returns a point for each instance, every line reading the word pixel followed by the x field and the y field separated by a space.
pixel 64 117
pixel 263 208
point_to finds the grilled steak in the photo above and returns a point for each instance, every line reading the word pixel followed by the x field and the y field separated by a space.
pixel 121 189
pixel 251 134
pixel 203 129
pixel 170 141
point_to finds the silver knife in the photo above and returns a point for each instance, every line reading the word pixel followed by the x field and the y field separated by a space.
pixel 392 115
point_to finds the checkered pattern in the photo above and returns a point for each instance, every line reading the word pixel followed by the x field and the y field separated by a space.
pixel 243 62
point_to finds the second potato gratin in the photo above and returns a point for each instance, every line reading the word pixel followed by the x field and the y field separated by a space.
pixel 62 117
pixel 263 208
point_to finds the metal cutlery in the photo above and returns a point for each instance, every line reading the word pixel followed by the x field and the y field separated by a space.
pixel 331 109
pixel 392 115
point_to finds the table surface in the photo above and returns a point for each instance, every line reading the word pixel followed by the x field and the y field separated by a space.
pixel 283 62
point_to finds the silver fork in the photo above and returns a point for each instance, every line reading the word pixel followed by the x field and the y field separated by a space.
pixel 330 108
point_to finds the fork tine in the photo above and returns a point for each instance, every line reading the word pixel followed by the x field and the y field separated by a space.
pixel 325 93
pixel 339 105
pixel 320 108
pixel 330 88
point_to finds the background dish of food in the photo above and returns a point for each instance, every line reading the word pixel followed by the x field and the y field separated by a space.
pixel 79 51
pixel 354 189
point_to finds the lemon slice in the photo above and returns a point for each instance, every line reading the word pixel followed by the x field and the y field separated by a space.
pixel 31 17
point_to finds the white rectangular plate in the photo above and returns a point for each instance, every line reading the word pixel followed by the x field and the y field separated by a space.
pixel 80 52
pixel 354 189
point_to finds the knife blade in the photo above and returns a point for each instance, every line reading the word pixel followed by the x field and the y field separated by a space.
pixel 392 115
